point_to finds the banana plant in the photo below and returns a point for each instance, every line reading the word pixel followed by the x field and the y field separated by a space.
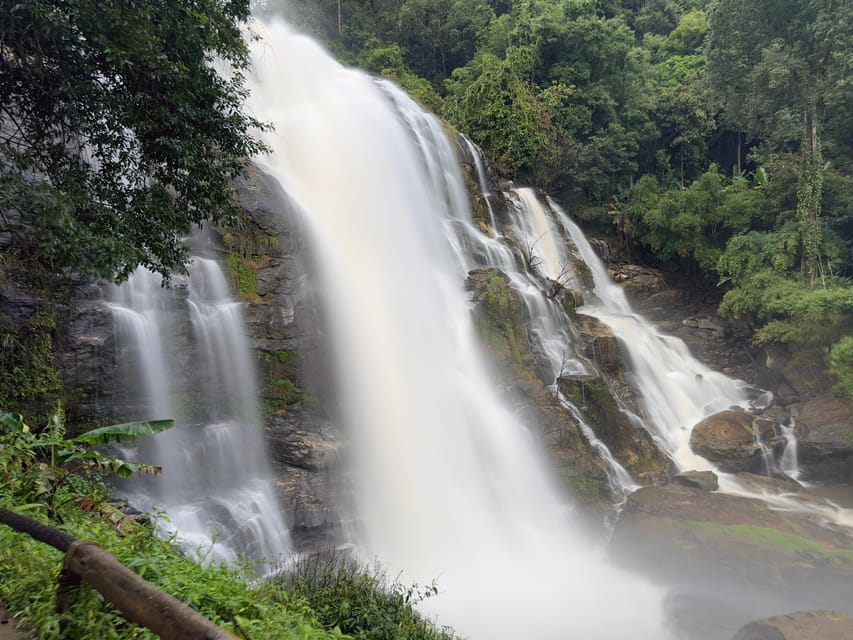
pixel 34 465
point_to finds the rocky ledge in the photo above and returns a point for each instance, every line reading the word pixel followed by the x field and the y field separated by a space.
pixel 730 559
pixel 801 625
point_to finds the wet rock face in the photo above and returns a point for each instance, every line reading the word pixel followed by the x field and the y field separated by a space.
pixel 630 443
pixel 500 314
pixel 705 480
pixel 283 323
pixel 88 362
pixel 802 625
pixel 826 439
pixel 731 439
pixel 600 345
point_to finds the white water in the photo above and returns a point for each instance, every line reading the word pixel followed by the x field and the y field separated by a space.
pixel 451 486
pixel 676 390
pixel 190 360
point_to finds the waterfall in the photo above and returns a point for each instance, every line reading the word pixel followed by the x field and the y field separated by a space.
pixel 186 357
pixel 450 484
pixel 676 390
pixel 789 462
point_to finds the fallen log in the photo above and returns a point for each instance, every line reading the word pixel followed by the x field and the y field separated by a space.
pixel 138 600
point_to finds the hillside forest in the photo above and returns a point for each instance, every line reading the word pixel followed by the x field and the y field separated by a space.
pixel 714 134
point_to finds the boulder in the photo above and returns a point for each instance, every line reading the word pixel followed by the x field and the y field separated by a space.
pixel 705 480
pixel 638 278
pixel 599 344
pixel 731 439
pixel 802 625
pixel 825 441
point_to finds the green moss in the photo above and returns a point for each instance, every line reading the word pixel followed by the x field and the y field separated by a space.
pixel 773 538
pixel 284 357
pixel 243 275
pixel 586 485
pixel 586 392
pixel 281 393
pixel 29 378
pixel 501 324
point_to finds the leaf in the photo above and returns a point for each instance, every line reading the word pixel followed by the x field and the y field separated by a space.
pixel 123 432
pixel 32 506
pixel 14 421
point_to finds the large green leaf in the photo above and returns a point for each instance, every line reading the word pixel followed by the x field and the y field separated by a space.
pixel 123 432
pixel 14 422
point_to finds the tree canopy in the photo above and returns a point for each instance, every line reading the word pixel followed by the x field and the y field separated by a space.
pixel 117 131
pixel 711 133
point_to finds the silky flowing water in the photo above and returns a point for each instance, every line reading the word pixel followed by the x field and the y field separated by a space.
pixel 450 484
pixel 186 356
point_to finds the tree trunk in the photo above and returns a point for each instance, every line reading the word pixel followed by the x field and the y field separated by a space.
pixel 739 170
pixel 809 192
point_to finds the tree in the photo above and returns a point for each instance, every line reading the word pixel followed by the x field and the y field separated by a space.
pixel 117 132
pixel 779 66
pixel 499 109
pixel 685 110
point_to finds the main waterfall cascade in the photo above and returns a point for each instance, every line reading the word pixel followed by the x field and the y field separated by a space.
pixel 186 353
pixel 449 483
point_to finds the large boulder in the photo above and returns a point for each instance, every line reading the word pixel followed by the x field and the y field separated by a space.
pixel 638 279
pixel 825 442
pixel 802 625
pixel 733 440
pixel 705 480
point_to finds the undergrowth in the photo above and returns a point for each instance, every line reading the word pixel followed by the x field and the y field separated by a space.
pixel 362 601
pixel 355 604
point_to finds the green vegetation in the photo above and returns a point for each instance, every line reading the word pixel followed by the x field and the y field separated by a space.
pixel 281 393
pixel 841 364
pixel 29 379
pixel 118 133
pixel 243 275
pixel 501 323
pixel 57 481
pixel 773 539
pixel 586 485
pixel 711 133
pixel 364 603
pixel 279 369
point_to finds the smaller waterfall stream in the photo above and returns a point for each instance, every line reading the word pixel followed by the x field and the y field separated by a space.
pixel 187 357
pixel 677 390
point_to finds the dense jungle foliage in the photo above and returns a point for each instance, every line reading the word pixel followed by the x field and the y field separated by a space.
pixel 713 133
